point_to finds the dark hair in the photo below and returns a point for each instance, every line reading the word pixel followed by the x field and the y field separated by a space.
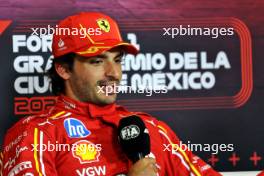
pixel 57 82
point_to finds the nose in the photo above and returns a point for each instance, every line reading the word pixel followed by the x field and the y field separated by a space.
pixel 113 70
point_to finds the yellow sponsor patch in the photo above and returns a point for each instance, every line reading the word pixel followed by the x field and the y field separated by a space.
pixel 85 151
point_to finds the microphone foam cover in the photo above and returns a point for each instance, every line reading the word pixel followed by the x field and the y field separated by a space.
pixel 134 137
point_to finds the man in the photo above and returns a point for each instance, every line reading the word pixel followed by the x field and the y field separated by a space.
pixel 86 118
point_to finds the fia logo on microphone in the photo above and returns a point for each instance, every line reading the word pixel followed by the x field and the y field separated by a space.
pixel 75 128
pixel 130 132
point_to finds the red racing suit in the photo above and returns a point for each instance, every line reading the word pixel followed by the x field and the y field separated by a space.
pixel 261 173
pixel 75 138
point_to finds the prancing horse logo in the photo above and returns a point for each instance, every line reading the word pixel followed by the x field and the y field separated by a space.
pixel 103 24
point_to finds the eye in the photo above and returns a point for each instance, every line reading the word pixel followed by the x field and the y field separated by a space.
pixel 96 61
pixel 120 59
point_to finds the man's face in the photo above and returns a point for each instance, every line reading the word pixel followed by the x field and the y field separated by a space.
pixel 92 75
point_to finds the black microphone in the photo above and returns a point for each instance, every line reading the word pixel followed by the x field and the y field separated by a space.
pixel 134 137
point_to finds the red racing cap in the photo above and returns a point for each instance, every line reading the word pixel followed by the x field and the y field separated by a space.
pixel 88 34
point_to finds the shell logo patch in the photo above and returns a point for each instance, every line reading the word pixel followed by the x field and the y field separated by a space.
pixel 86 151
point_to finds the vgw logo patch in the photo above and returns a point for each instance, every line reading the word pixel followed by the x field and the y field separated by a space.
pixel 75 128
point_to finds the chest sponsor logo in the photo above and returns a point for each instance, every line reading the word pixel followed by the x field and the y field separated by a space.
pixel 75 128
pixel 20 167
pixel 12 161
pixel 15 141
pixel 86 151
pixel 28 119
pixel 92 171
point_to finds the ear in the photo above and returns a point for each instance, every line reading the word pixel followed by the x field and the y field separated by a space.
pixel 62 71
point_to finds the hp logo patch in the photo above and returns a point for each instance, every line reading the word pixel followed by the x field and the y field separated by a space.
pixel 75 128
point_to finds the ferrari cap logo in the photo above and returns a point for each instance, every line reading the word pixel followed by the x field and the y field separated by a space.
pixel 103 25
